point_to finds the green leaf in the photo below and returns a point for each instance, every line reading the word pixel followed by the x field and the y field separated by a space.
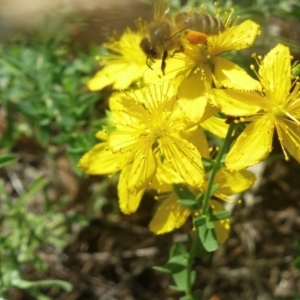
pixel 200 198
pixel 193 277
pixel 210 225
pixel 183 258
pixel 208 164
pixel 296 69
pixel 199 221
pixel 189 203
pixel 174 265
pixel 43 135
pixel 177 249
pixel 176 288
pixel 169 268
pixel 25 284
pixel 186 197
pixel 208 237
pixel 221 215
pixel 9 137
pixel 36 186
pixel 177 260
pixel 13 65
pixel 7 159
pixel 183 192
pixel 213 190
pixel 197 249
pixel 181 279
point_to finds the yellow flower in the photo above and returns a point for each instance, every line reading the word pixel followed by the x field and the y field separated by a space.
pixel 201 65
pixel 171 215
pixel 164 177
pixel 152 130
pixel 204 66
pixel 277 106
pixel 123 64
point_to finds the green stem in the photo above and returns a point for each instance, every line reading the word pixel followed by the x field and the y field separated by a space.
pixel 193 250
pixel 188 275
pixel 217 165
pixel 1 275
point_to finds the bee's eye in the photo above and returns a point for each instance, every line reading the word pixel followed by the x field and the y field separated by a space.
pixel 150 50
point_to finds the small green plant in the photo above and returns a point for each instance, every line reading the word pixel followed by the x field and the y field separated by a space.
pixel 44 95
pixel 23 232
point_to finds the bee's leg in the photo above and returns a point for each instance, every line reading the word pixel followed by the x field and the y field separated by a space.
pixel 179 50
pixel 163 61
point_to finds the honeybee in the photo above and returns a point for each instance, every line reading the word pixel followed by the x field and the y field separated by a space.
pixel 165 35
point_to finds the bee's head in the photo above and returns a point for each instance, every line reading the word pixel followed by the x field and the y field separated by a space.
pixel 152 52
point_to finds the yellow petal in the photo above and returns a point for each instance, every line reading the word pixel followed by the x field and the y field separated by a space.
pixel 198 138
pixel 142 170
pixel 185 158
pixel 289 132
pixel 121 105
pixel 216 126
pixel 160 186
pixel 230 183
pixel 169 216
pixel 175 66
pixel 124 62
pixel 232 76
pixel 107 76
pixel 192 96
pixel 128 202
pixel 292 105
pixel 102 135
pixel 160 96
pixel 131 74
pixel 222 228
pixel 275 73
pixel 237 103
pixel 100 160
pixel 234 38
pixel 166 174
pixel 210 110
pixel 125 141
pixel 253 145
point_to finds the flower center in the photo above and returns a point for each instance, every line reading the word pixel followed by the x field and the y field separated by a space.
pixel 157 130
pixel 277 110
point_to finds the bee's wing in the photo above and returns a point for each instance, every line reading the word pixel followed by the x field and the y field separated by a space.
pixel 181 22
pixel 160 7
